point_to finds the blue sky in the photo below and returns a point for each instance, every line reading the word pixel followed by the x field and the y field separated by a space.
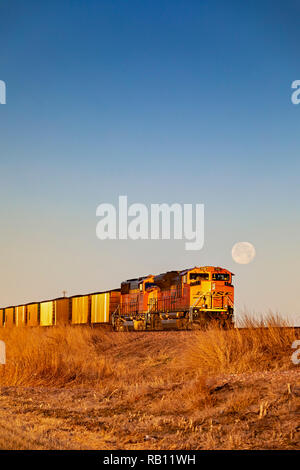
pixel 164 101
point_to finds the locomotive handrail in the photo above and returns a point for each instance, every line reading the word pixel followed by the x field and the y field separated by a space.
pixel 113 315
pixel 192 306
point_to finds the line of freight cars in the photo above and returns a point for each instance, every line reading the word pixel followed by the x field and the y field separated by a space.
pixel 80 309
pixel 173 299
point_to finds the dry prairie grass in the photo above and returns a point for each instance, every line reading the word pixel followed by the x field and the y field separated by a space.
pixel 58 357
pixel 256 346
pixel 79 387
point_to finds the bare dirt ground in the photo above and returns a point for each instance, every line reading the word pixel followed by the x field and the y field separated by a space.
pixel 153 394
pixel 248 413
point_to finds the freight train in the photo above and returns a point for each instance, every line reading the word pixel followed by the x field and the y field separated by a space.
pixel 174 299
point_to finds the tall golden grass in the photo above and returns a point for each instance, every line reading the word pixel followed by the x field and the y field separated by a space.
pixel 66 356
pixel 57 356
pixel 256 346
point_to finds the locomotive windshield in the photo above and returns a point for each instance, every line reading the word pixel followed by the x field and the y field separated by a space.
pixel 220 277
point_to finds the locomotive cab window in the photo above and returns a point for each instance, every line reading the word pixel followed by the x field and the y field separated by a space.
pixel 199 276
pixel 221 277
pixel 148 285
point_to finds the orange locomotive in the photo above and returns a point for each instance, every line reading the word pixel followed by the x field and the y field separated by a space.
pixel 176 299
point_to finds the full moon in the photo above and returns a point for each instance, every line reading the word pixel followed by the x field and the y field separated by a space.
pixel 243 252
